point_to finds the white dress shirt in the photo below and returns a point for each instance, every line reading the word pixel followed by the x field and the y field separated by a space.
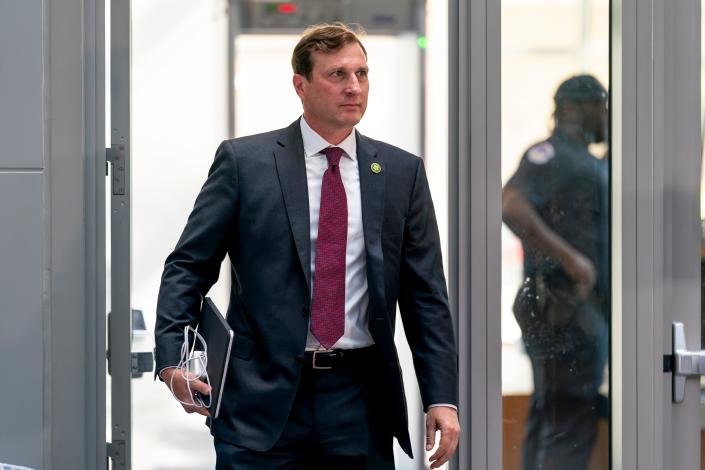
pixel 356 334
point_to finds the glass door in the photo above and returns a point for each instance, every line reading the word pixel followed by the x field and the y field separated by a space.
pixel 555 309
pixel 187 76
pixel 590 153
pixel 657 234
pixel 602 246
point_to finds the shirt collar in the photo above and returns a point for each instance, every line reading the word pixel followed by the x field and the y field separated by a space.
pixel 314 143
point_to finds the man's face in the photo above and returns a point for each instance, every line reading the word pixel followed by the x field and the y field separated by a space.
pixel 335 98
pixel 596 120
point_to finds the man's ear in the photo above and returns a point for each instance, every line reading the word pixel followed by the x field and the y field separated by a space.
pixel 298 81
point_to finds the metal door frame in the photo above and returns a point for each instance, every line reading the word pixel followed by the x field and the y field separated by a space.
pixel 120 323
pixel 474 212
pixel 95 80
pixel 656 228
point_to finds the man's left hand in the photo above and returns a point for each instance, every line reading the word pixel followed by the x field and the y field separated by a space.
pixel 444 419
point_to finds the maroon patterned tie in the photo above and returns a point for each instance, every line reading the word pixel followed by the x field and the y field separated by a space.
pixel 328 302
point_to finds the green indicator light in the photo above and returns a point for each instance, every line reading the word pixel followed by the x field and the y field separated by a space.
pixel 271 8
pixel 422 42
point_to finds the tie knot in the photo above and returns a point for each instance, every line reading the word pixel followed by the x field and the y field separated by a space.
pixel 333 154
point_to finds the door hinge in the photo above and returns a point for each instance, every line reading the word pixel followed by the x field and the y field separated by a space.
pixel 115 156
pixel 116 453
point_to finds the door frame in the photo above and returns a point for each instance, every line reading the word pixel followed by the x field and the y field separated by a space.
pixel 474 214
pixel 120 319
pixel 656 228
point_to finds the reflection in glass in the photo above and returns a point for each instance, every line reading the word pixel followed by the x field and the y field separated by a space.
pixel 555 241
pixel 556 203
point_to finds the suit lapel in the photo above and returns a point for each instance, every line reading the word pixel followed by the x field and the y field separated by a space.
pixel 372 189
pixel 291 171
pixel 372 186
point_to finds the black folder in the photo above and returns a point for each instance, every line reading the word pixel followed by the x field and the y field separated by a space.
pixel 219 337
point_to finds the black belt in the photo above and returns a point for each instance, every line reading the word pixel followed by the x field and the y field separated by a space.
pixel 336 358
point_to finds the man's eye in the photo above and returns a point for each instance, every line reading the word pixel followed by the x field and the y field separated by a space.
pixel 337 73
pixel 362 73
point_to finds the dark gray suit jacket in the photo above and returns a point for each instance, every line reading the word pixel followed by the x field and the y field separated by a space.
pixel 254 208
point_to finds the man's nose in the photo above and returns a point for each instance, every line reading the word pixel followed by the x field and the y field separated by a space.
pixel 353 85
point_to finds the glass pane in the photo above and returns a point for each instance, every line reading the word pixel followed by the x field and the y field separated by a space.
pixel 180 115
pixel 555 239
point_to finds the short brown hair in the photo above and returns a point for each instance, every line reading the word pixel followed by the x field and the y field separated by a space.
pixel 324 38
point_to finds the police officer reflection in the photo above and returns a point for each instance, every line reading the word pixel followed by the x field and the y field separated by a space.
pixel 557 204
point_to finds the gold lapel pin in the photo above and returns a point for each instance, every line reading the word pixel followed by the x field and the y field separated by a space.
pixel 376 168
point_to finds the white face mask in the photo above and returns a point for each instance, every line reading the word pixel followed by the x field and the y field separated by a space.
pixel 193 366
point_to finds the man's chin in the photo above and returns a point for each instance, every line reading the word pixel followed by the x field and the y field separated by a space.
pixel 350 121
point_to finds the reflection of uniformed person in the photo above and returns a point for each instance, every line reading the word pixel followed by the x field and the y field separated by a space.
pixel 557 204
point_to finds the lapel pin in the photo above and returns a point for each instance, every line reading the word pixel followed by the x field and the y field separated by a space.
pixel 376 168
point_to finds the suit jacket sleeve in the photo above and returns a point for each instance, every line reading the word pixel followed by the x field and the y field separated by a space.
pixel 193 267
pixel 423 300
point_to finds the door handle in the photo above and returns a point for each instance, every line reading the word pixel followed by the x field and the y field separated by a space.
pixel 684 363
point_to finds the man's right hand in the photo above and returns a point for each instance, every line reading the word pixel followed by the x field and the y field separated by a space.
pixel 582 272
pixel 521 217
pixel 175 378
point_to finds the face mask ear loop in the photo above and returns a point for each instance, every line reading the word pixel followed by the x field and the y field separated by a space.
pixel 179 368
pixel 184 368
pixel 203 360
pixel 187 369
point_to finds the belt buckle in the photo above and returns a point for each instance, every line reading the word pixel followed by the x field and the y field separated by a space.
pixel 313 362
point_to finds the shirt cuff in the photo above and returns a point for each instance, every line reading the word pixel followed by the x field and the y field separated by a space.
pixel 448 405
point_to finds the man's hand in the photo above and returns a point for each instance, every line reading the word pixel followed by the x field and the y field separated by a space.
pixel 181 389
pixel 582 272
pixel 445 419
pixel 523 219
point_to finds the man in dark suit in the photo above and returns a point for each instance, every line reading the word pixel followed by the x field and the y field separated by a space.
pixel 327 230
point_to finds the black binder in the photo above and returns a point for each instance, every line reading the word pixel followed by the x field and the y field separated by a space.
pixel 219 337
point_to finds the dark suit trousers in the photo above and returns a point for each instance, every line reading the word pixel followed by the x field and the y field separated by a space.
pixel 336 422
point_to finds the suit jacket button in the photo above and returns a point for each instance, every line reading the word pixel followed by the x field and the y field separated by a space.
pixel 298 359
pixel 304 311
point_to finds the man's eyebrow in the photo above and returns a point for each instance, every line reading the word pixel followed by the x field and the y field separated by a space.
pixel 333 68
